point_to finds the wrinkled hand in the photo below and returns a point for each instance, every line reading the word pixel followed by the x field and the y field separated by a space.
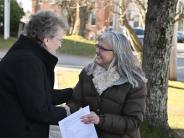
pixel 91 118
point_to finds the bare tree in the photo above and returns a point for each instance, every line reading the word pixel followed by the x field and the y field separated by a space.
pixel 142 10
pixel 77 19
pixel 78 13
pixel 68 12
pixel 156 55
pixel 136 44
pixel 180 13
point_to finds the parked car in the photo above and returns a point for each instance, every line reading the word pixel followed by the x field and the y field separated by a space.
pixel 140 33
pixel 180 37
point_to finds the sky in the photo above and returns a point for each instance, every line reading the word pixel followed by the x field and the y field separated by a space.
pixel 26 4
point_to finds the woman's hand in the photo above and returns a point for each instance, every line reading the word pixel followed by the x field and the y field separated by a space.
pixel 91 118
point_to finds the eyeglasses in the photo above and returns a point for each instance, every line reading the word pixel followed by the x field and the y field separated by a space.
pixel 60 40
pixel 101 48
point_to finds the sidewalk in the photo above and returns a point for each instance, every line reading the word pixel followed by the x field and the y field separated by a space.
pixel 72 61
pixel 79 62
pixel 66 60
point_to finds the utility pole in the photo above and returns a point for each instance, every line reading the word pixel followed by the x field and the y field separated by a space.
pixel 6 19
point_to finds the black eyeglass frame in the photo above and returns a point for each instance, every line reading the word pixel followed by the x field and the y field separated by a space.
pixel 102 48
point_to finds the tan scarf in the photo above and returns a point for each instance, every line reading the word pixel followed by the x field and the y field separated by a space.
pixel 104 79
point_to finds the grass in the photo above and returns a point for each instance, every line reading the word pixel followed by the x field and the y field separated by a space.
pixel 176 104
pixel 69 78
pixel 66 77
pixel 147 132
pixel 77 45
pixel 73 45
pixel 6 44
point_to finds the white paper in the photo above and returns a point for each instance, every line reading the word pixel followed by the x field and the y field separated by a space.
pixel 72 127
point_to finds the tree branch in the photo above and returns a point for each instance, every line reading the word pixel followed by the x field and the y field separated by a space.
pixel 178 17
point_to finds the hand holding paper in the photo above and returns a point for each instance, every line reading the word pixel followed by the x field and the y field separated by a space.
pixel 91 118
pixel 73 127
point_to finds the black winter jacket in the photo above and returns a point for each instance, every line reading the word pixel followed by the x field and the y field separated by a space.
pixel 27 97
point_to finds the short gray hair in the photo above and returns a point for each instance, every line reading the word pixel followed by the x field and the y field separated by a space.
pixel 125 61
pixel 44 24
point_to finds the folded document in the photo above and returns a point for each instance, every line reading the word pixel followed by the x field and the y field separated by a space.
pixel 72 127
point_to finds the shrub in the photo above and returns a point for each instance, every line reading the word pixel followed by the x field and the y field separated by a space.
pixel 16 14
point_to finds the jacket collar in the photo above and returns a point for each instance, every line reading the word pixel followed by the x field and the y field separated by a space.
pixel 26 43
pixel 103 79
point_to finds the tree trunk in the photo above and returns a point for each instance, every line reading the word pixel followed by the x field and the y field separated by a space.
pixel 156 56
pixel 84 13
pixel 77 20
pixel 71 20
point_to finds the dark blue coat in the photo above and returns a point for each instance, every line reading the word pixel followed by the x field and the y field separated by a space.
pixel 27 97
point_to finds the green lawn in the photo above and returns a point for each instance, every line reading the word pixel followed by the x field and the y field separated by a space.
pixel 68 78
pixel 6 44
pixel 74 45
pixel 77 45
pixel 176 104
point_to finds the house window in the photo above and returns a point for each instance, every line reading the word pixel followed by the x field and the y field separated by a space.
pixel 41 1
pixel 92 18
pixel 52 1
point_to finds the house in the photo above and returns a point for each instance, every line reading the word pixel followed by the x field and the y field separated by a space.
pixel 46 5
pixel 100 17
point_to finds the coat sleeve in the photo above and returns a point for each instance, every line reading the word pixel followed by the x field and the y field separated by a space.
pixel 77 97
pixel 34 99
pixel 61 96
pixel 131 116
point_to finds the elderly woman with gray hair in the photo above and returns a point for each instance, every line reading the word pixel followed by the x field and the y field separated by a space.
pixel 114 86
pixel 27 98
